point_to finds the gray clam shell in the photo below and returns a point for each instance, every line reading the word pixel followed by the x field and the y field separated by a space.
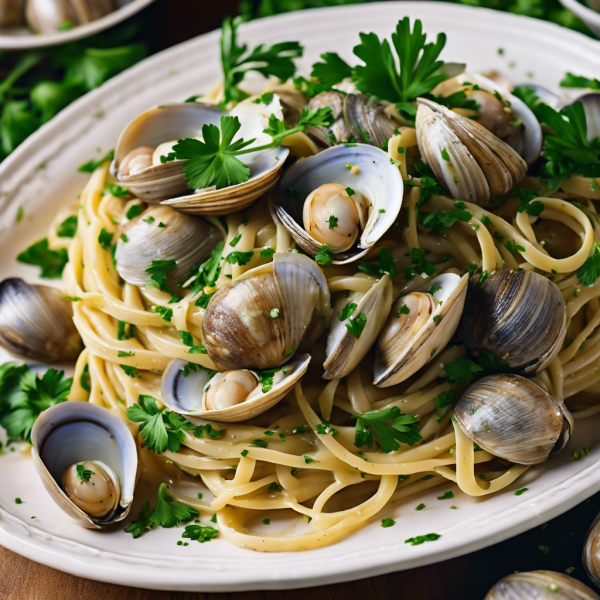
pixel 511 417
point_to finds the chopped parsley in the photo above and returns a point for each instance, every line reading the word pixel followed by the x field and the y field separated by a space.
pixel 159 271
pixel 356 325
pixel 385 265
pixel 420 265
pixel 347 311
pixel 421 539
pixel 589 272
pixel 83 473
pixel 446 496
pixel 332 221
pixel 239 258
pixel 92 165
pixel 68 228
pixel 521 491
pixel 324 257
pixel 389 522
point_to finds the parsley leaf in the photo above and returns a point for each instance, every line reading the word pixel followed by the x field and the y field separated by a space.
pixel 93 164
pixel 420 265
pixel 239 258
pixel 373 425
pixel 440 220
pixel 68 228
pixel 385 265
pixel 578 81
pixel 83 473
pixel 356 325
pixel 589 272
pixel 159 430
pixel 347 311
pixel 415 71
pixel 528 201
pixel 566 148
pixel 200 533
pixel 167 513
pixel 332 70
pixel 274 60
pixel 52 262
pixel 461 370
pixel 213 161
pixel 324 257
pixel 24 395
pixel 159 270
pixel 206 274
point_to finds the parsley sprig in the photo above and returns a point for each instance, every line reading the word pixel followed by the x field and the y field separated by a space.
pixel 237 60
pixel 167 513
pixel 373 426
pixel 24 395
pixel 160 430
pixel 214 161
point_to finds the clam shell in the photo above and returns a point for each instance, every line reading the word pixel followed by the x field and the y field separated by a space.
pixel 186 395
pixel 73 432
pixel 264 165
pixel 36 322
pixel 540 585
pixel 151 128
pixel 377 180
pixel 470 162
pixel 528 139
pixel 518 316
pixel 237 328
pixel 591 552
pixel 511 417
pixel 399 359
pixel 367 120
pixel 187 239
pixel 344 351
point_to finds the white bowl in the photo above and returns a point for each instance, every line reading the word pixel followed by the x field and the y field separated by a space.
pixel 21 38
pixel 590 17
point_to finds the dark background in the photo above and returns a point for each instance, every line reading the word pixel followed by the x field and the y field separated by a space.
pixel 168 22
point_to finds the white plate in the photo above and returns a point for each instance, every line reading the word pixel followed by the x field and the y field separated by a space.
pixel 91 126
pixel 21 38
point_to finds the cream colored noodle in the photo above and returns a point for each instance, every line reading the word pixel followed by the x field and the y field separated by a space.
pixel 341 489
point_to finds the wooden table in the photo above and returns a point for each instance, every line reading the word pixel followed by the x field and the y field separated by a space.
pixel 166 23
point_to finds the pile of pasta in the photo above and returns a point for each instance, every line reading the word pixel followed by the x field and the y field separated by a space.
pixel 340 489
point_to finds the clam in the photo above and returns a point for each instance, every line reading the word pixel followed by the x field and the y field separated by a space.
pixel 339 129
pixel 499 111
pixel 419 327
pixel 161 233
pixel 36 322
pixel 346 197
pixel 231 396
pixel 258 322
pixel 11 12
pixel 49 16
pixel 513 418
pixel 355 116
pixel 471 163
pixel 354 331
pixel 540 585
pixel 139 165
pixel 87 460
pixel 518 316
pixel 591 552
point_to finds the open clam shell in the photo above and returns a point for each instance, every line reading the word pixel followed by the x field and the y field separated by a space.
pixel 409 340
pixel 519 317
pixel 264 165
pixel 540 585
pixel 378 181
pixel 512 417
pixel 187 394
pixel 36 322
pixel 258 322
pixel 471 163
pixel 74 432
pixel 153 127
pixel 344 350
